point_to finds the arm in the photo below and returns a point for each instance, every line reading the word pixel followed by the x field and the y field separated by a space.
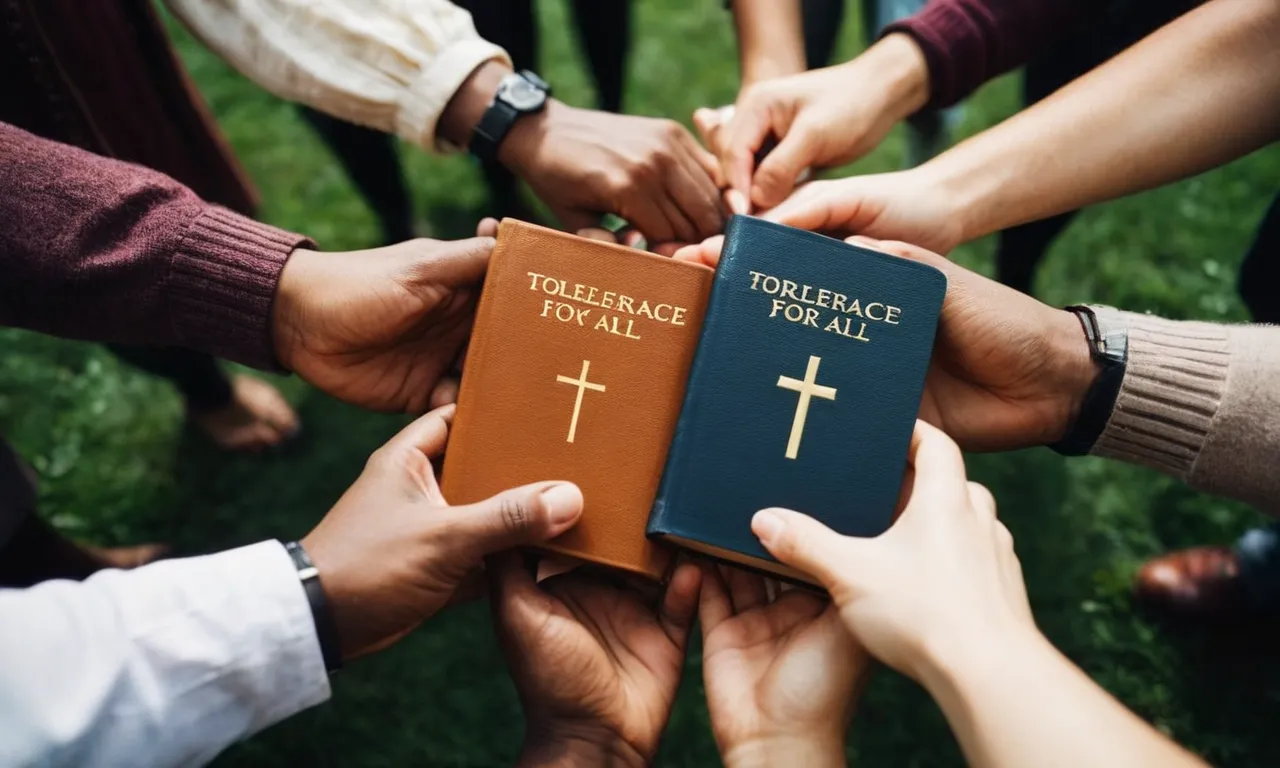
pixel 1201 402
pixel 164 665
pixel 770 38
pixel 1012 699
pixel 968 42
pixel 393 66
pixel 104 250
pixel 1199 92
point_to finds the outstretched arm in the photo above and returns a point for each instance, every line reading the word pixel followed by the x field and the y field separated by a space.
pixel 98 249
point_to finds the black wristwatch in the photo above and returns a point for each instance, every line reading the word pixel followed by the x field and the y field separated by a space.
pixel 1108 340
pixel 326 630
pixel 519 94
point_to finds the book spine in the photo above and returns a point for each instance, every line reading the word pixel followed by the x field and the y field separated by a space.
pixel 665 505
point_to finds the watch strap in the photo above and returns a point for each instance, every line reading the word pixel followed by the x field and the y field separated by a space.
pixel 1109 349
pixel 326 630
pixel 493 127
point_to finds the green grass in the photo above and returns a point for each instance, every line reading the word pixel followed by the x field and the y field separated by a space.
pixel 117 465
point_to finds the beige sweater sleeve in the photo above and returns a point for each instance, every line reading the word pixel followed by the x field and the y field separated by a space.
pixel 389 64
pixel 1201 402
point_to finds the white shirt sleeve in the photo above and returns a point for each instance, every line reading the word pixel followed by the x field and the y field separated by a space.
pixel 392 65
pixel 164 665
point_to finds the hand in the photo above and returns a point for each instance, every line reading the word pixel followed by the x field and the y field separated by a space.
pixel 1007 370
pixel 903 205
pixel 392 551
pixel 782 677
pixel 596 666
pixel 380 328
pixel 945 573
pixel 651 172
pixel 820 118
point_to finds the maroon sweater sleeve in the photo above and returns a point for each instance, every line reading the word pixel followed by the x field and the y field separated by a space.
pixel 968 42
pixel 94 248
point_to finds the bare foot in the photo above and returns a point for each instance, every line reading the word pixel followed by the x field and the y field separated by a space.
pixel 257 418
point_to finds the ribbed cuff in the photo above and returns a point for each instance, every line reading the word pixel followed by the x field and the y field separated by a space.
pixel 222 283
pixel 953 50
pixel 1173 385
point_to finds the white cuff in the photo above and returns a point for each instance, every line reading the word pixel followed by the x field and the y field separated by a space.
pixel 426 97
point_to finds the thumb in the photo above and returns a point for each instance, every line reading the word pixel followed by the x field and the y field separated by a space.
pixel 530 514
pixel 451 263
pixel 803 543
pixel 778 171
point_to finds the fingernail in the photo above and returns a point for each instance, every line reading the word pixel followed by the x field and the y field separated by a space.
pixel 737 201
pixel 767 526
pixel 563 502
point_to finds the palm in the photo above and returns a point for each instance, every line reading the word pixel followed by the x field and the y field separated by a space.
pixel 778 668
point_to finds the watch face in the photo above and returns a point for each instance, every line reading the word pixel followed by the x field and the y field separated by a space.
pixel 522 94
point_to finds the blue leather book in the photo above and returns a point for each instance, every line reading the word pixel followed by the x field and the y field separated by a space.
pixel 803 393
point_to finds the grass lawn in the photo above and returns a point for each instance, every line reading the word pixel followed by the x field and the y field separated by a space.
pixel 118 466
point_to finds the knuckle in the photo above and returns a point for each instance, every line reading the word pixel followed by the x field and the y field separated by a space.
pixel 514 514
pixel 671 130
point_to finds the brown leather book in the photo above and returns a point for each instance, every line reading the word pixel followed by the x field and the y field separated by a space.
pixel 576 371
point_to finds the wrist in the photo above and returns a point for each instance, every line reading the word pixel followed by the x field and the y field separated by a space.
pixel 469 102
pixel 520 150
pixel 958 664
pixel 1071 372
pixel 901 73
pixel 574 745
pixel 286 307
pixel 759 68
pixel 811 750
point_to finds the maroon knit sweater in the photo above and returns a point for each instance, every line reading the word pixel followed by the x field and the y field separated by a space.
pixel 968 42
pixel 98 249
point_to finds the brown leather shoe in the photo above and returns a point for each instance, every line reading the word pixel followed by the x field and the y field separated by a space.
pixel 1200 584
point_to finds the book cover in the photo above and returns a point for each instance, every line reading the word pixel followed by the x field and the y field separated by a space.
pixel 576 371
pixel 803 394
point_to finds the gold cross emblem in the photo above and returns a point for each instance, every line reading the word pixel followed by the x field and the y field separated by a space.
pixel 808 389
pixel 583 385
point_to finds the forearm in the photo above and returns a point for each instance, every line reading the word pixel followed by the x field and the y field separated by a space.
pixel 103 250
pixel 1012 700
pixel 167 664
pixel 968 42
pixel 770 38
pixel 1201 402
pixel 392 66
pixel 1197 93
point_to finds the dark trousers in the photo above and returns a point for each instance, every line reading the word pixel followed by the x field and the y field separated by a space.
pixel 369 156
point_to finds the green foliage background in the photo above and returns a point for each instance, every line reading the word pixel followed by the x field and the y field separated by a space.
pixel 117 464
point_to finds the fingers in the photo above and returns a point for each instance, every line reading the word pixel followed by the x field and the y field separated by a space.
pixel 746 589
pixel 456 263
pixel 714 605
pixel 705 161
pixel 488 227
pixel 819 206
pixel 517 602
pixel 707 252
pixel 803 543
pixel 530 514
pixel 694 189
pixel 779 170
pixel 939 466
pixel 598 233
pixel 426 434
pixel 444 393
pixel 746 133
pixel 680 603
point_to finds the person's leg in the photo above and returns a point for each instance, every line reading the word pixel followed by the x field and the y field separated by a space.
pixel 1259 281
pixel 238 413
pixel 31 551
pixel 510 24
pixel 370 160
pixel 604 29
pixel 822 22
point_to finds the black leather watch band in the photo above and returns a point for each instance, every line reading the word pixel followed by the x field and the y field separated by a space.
pixel 519 94
pixel 326 630
pixel 1109 348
